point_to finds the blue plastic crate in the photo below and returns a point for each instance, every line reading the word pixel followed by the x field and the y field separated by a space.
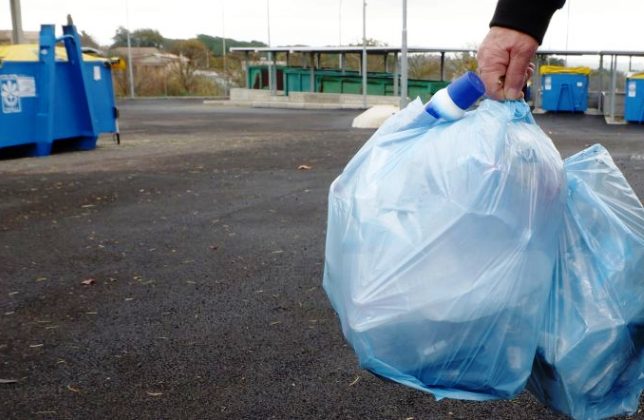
pixel 634 103
pixel 564 92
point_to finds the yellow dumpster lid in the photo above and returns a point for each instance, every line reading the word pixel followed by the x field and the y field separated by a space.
pixel 565 70
pixel 29 52
pixel 639 75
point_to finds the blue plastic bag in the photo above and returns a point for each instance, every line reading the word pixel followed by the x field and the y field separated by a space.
pixel 590 362
pixel 439 252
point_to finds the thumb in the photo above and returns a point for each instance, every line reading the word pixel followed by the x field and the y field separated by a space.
pixel 515 75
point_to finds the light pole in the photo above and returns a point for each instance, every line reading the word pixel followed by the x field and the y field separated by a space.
pixel 364 53
pixel 403 59
pixel 270 54
pixel 130 64
pixel 16 22
pixel 340 24
pixel 223 41
pixel 340 56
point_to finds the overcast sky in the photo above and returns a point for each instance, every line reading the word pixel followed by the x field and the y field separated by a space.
pixel 589 24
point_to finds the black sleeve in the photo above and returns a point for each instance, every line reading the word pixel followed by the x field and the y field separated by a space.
pixel 528 16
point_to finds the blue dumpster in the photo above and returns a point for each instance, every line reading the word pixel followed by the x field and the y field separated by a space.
pixel 564 88
pixel 634 103
pixel 52 94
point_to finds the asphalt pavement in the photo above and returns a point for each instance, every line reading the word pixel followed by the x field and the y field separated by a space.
pixel 178 275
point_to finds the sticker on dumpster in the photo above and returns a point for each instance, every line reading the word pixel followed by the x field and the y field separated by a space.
pixel 631 89
pixel 10 94
pixel 580 84
pixel 26 86
pixel 97 73
pixel 548 83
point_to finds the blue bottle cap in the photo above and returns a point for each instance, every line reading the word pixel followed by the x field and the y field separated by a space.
pixel 466 90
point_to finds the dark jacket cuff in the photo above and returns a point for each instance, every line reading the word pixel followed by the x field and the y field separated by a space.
pixel 527 16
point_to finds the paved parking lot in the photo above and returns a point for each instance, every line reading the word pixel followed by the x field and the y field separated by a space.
pixel 178 275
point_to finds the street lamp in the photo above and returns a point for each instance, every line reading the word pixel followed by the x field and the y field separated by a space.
pixel 340 24
pixel 16 22
pixel 364 53
pixel 130 64
pixel 403 59
pixel 270 54
pixel 223 41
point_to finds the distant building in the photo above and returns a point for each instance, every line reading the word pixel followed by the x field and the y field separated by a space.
pixel 149 57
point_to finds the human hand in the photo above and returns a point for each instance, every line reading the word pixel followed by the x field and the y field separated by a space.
pixel 504 62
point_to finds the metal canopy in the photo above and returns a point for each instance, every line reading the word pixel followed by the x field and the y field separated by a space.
pixel 386 50
pixel 346 50
pixel 413 50
pixel 391 50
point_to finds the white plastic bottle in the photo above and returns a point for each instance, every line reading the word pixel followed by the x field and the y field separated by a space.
pixel 448 104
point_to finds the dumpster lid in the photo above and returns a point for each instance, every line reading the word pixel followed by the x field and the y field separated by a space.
pixel 546 69
pixel 29 52
pixel 635 75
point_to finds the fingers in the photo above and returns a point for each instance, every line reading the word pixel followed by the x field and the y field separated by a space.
pixel 506 52
pixel 515 76
pixel 492 65
pixel 530 72
pixel 493 81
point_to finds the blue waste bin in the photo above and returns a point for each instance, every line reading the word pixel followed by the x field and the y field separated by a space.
pixel 634 102
pixel 564 89
pixel 51 94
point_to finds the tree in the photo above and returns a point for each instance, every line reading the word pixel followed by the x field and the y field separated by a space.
pixel 193 54
pixel 215 43
pixel 139 38
pixel 370 43
pixel 552 60
pixel 88 41
pixel 461 63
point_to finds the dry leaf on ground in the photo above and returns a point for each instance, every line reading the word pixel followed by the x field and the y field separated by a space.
pixel 154 394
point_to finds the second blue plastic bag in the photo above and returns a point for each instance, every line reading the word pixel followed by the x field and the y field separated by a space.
pixel 439 249
pixel 590 362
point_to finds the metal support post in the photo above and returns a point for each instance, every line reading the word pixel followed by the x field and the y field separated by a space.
pixel 249 83
pixel 270 71
pixel 403 59
pixel 442 65
pixel 312 74
pixel 600 105
pixel 274 75
pixel 536 84
pixel 396 74
pixel 613 87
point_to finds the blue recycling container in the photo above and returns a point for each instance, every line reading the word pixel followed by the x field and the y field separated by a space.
pixel 634 102
pixel 52 94
pixel 564 89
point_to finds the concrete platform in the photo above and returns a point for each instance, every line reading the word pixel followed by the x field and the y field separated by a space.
pixel 258 98
pixel 374 116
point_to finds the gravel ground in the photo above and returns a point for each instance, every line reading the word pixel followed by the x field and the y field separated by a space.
pixel 203 247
